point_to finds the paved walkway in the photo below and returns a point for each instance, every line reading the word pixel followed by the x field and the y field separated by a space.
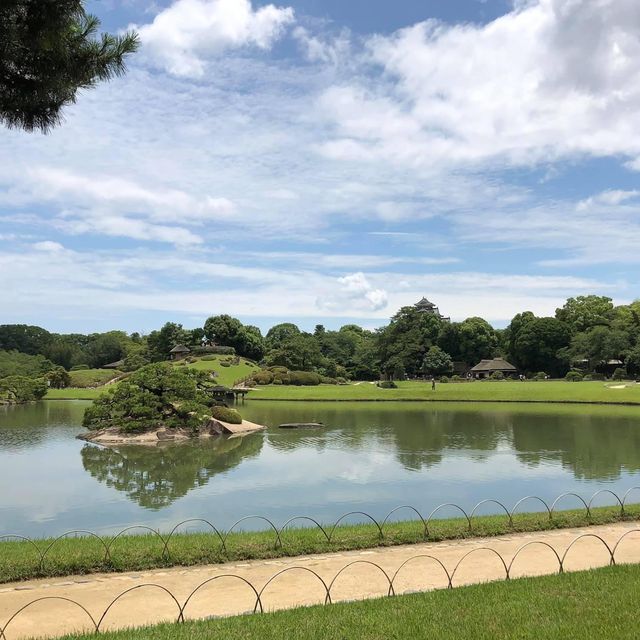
pixel 229 596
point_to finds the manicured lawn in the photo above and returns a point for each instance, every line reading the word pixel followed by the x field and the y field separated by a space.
pixel 92 377
pixel 548 391
pixel 83 380
pixel 227 376
pixel 74 393
pixel 597 605
pixel 20 561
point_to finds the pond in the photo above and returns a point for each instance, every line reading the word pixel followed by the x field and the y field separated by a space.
pixel 370 457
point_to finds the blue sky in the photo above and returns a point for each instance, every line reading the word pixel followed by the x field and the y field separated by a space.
pixel 327 162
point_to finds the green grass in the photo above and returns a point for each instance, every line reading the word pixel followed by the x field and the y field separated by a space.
pixel 83 381
pixel 480 391
pixel 92 377
pixel 597 605
pixel 227 376
pixel 82 555
pixel 75 394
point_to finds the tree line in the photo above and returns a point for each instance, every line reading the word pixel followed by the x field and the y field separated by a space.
pixel 586 333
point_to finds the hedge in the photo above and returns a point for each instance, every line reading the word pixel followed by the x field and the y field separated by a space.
pixel 226 415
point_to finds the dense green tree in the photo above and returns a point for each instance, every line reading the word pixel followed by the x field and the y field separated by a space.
pixel 156 395
pixel 48 52
pixel 24 338
pixel 14 363
pixel 477 340
pixel 537 344
pixel 58 378
pixel 511 333
pixel 407 338
pixel 632 361
pixel 280 333
pixel 230 332
pixel 106 348
pixel 437 362
pixel 160 343
pixel 598 345
pixel 584 312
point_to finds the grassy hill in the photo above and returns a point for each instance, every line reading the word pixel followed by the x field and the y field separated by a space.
pixel 226 374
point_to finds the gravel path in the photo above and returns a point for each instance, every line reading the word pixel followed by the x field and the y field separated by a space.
pixel 230 596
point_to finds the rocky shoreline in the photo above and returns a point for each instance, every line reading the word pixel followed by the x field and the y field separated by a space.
pixel 163 434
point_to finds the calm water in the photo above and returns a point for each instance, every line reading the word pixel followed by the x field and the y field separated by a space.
pixel 370 457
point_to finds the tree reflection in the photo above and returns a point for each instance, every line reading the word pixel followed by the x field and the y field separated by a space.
pixel 156 476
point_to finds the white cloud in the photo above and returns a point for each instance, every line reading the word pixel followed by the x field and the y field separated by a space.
pixel 182 37
pixel 48 246
pixel 551 79
pixel 611 198
pixel 354 292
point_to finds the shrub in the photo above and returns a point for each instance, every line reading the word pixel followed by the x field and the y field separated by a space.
pixel 80 367
pixel 619 374
pixel 597 376
pixel 587 378
pixel 277 381
pixel 457 378
pixel 225 363
pixel 263 377
pixel 341 380
pixel 443 379
pixel 387 384
pixel 226 415
pixel 573 376
pixel 541 375
pixel 208 358
pixel 304 378
pixel 497 375
pixel 58 378
pixel 328 380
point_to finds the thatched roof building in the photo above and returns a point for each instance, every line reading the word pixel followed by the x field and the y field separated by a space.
pixel 486 367
pixel 179 351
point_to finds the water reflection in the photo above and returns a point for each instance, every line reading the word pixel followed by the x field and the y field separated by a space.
pixel 156 476
pixel 370 456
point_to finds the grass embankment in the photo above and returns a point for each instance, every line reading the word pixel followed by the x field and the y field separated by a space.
pixel 227 374
pixel 82 555
pixel 480 391
pixel 598 604
pixel 89 384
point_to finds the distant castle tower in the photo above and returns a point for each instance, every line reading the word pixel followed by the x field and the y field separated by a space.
pixel 425 306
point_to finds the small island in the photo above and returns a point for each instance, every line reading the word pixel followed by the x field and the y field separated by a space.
pixel 162 403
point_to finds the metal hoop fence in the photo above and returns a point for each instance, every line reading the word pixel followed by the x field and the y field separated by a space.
pixel 390 579
pixel 326 532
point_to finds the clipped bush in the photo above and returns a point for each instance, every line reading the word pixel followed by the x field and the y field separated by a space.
pixel 387 384
pixel 225 363
pixel 573 376
pixel 597 376
pixel 80 367
pixel 457 378
pixel 497 375
pixel 328 380
pixel 443 379
pixel 304 378
pixel 263 377
pixel 341 380
pixel 226 415
pixel 277 381
pixel 208 358
pixel 541 375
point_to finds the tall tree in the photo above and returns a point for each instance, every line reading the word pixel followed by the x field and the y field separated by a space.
pixel 49 51
pixel 584 312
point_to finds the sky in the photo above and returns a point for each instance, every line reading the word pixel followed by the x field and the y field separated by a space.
pixel 323 161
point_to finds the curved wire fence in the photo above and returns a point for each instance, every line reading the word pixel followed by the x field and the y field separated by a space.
pixel 327 531
pixel 97 620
